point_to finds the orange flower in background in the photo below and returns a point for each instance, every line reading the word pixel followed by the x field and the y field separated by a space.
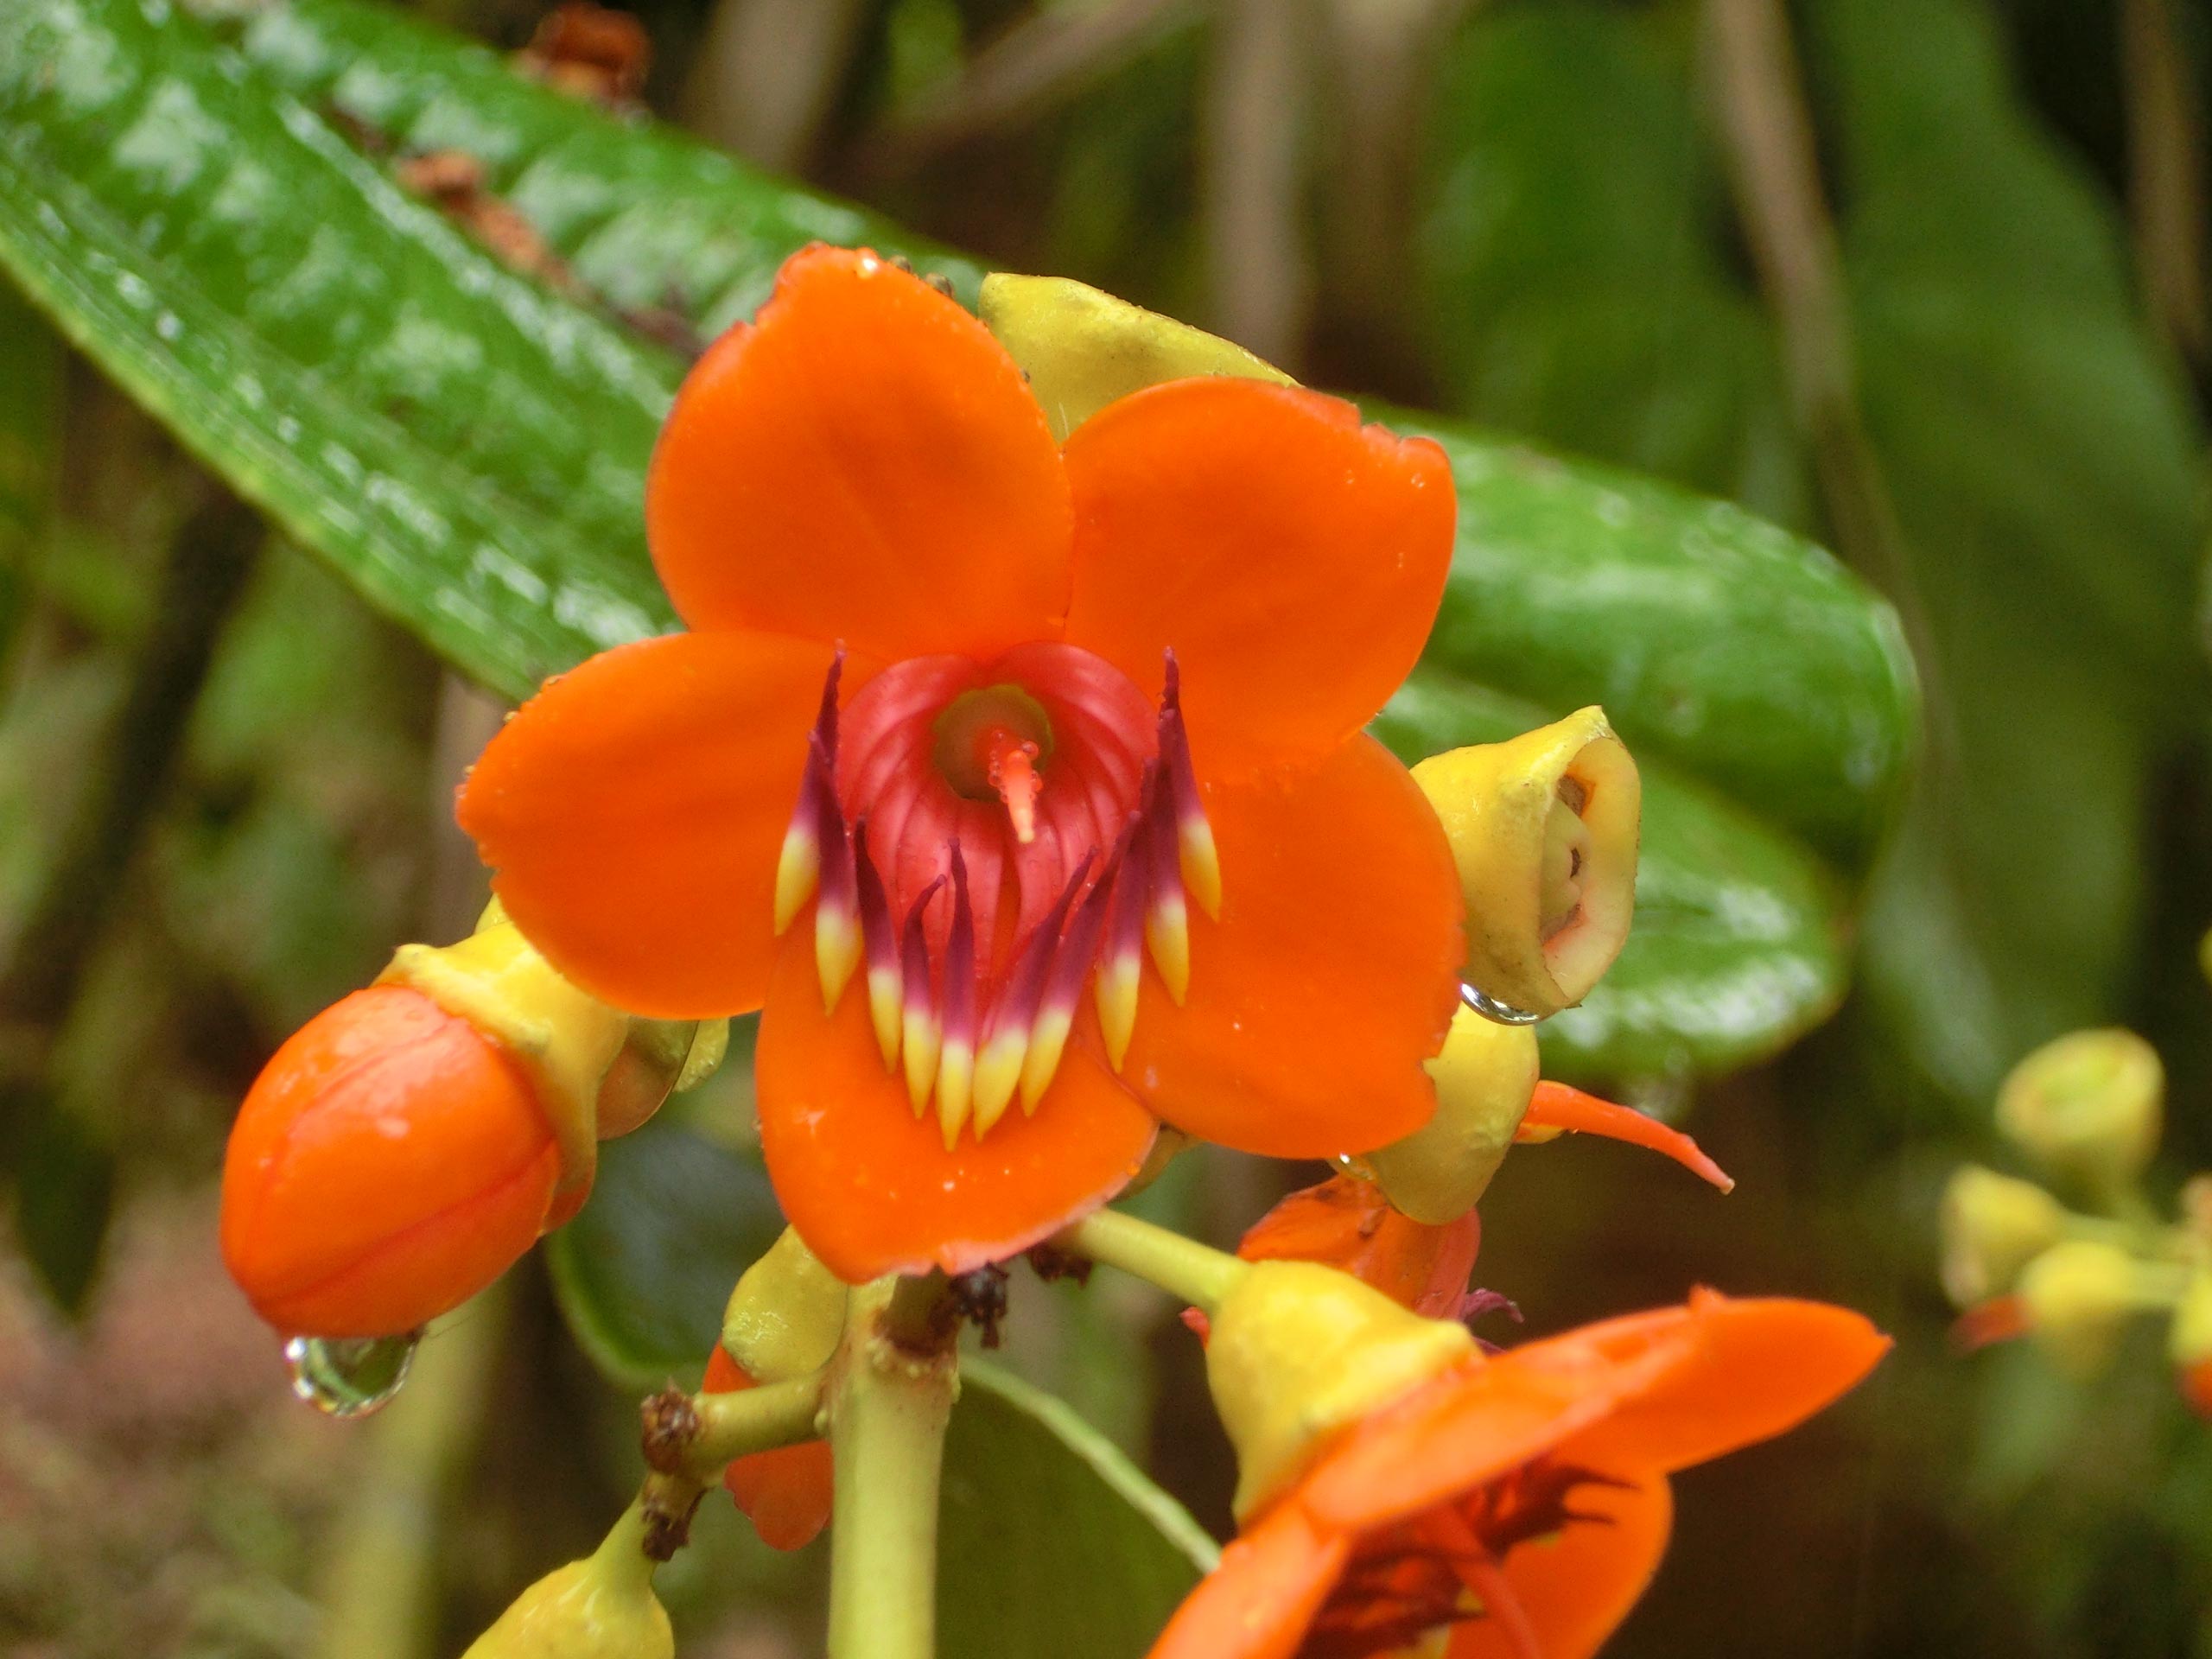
pixel 786 1493
pixel 1516 1505
pixel 1022 722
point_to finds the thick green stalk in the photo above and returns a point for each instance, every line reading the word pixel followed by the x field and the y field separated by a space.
pixel 888 1408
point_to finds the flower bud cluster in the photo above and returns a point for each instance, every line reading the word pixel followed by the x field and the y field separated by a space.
pixel 2085 1112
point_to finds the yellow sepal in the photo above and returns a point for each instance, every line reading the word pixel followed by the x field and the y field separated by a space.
pixel 602 1607
pixel 785 1315
pixel 1993 1226
pixel 1483 1078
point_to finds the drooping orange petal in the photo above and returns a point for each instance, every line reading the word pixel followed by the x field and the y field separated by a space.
pixel 633 810
pixel 1292 558
pixel 1471 1425
pixel 787 1492
pixel 1577 1585
pixel 1329 978
pixel 1758 1366
pixel 862 463
pixel 1556 1107
pixel 1258 1602
pixel 871 1188
pixel 1345 1222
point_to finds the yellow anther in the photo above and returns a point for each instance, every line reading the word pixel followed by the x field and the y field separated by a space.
pixel 798 868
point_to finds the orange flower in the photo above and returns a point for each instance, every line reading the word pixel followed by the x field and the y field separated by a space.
pixel 1346 1223
pixel 786 1492
pixel 1520 1503
pixel 1016 717
pixel 389 1163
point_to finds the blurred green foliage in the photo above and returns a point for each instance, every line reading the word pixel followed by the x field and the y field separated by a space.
pixel 1565 247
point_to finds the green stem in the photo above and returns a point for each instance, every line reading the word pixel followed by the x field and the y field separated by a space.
pixel 1182 1266
pixel 752 1420
pixel 621 1554
pixel 888 1408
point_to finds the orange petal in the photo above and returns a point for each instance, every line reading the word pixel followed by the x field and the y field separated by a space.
pixel 1450 1435
pixel 786 1493
pixel 1756 1367
pixel 1329 977
pixel 1292 558
pixel 1346 1222
pixel 388 1163
pixel 872 1188
pixel 1555 1107
pixel 633 810
pixel 1577 1586
pixel 862 463
pixel 1258 1602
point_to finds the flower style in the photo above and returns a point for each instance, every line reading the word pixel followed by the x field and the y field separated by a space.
pixel 1516 1505
pixel 1020 721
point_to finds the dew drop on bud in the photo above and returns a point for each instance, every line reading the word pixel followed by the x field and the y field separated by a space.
pixel 1490 1009
pixel 350 1376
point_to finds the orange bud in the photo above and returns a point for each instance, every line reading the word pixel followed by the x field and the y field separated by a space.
pixel 388 1163
pixel 784 1492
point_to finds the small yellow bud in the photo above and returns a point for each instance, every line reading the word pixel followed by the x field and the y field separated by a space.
pixel 1483 1078
pixel 787 1314
pixel 2089 1105
pixel 1298 1352
pixel 1544 831
pixel 2078 1296
pixel 1993 1227
pixel 602 1607
pixel 1082 349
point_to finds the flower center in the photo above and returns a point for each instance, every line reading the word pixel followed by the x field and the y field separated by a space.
pixel 992 838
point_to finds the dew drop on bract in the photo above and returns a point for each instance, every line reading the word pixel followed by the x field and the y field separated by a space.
pixel 1490 1009
pixel 350 1376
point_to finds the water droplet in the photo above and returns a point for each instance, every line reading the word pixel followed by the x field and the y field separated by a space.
pixel 1353 1164
pixel 350 1376
pixel 1490 1009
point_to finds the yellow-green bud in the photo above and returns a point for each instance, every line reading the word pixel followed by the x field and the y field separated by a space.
pixel 2189 1338
pixel 1544 832
pixel 602 1607
pixel 1082 349
pixel 2078 1296
pixel 1993 1226
pixel 1485 1077
pixel 2088 1106
pixel 1298 1352
pixel 787 1315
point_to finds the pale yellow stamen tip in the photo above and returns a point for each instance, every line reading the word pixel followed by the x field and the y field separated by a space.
pixel 1167 936
pixel 1201 863
pixel 1048 1040
pixel 923 1041
pixel 798 866
pixel 998 1073
pixel 885 1001
pixel 1117 1007
pixel 956 1079
pixel 836 953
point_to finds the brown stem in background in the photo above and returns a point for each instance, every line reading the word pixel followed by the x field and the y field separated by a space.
pixel 767 76
pixel 1035 65
pixel 2165 184
pixel 1253 175
pixel 1776 173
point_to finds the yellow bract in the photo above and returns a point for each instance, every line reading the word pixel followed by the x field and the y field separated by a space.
pixel 1082 348
pixel 2089 1105
pixel 1298 1352
pixel 1543 828
pixel 602 1607
pixel 1993 1227
pixel 787 1314
pixel 1484 1078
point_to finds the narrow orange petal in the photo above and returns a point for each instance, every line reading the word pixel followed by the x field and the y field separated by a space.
pixel 1345 1222
pixel 634 810
pixel 1329 978
pixel 1576 1588
pixel 874 1189
pixel 1759 1366
pixel 861 463
pixel 1259 1602
pixel 787 1492
pixel 1291 557
pixel 1555 1107
pixel 2000 1319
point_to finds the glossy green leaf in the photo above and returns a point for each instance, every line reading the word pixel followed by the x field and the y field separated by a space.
pixel 219 226
pixel 1738 946
pixel 1099 1581
pixel 643 1270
